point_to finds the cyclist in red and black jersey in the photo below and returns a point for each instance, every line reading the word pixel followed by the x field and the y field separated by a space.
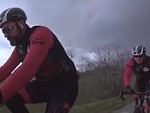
pixel 38 69
pixel 140 65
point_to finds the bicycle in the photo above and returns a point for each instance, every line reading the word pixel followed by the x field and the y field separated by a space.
pixel 142 101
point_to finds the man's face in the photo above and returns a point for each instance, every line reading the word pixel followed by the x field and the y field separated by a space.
pixel 139 59
pixel 11 32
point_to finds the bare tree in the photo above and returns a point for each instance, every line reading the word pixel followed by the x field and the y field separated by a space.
pixel 106 72
pixel 111 60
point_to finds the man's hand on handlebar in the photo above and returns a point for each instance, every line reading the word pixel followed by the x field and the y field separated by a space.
pixel 129 90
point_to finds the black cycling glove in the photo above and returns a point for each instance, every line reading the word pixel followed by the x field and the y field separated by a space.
pixel 128 89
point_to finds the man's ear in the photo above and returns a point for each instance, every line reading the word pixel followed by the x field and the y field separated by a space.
pixel 21 23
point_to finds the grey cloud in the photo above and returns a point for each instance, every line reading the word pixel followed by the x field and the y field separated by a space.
pixel 89 24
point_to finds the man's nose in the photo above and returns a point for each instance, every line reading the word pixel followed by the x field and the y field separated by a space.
pixel 6 35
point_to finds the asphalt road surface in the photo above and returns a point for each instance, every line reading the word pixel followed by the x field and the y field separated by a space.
pixel 127 109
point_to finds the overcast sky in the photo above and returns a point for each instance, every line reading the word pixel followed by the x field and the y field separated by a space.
pixel 87 24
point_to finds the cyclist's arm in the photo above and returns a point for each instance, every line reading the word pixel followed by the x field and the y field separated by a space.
pixel 128 72
pixel 9 66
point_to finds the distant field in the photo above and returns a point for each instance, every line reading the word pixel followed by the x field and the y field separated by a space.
pixel 105 106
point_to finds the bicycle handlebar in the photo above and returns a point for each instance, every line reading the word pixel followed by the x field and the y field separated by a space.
pixel 122 93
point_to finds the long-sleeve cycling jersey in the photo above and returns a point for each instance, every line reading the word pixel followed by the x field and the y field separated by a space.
pixel 44 59
pixel 140 70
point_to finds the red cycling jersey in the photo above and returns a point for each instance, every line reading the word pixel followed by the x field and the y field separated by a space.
pixel 141 71
pixel 35 63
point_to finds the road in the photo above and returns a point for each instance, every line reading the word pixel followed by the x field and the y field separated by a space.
pixel 127 109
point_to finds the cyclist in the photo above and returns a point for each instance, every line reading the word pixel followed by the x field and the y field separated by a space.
pixel 38 69
pixel 140 65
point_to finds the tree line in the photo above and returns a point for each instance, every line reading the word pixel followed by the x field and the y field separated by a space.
pixel 102 77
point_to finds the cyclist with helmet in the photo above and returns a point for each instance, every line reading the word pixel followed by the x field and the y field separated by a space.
pixel 38 70
pixel 140 65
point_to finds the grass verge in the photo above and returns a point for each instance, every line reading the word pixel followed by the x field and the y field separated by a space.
pixel 104 106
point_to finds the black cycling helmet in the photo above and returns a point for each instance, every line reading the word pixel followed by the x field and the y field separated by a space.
pixel 12 14
pixel 138 50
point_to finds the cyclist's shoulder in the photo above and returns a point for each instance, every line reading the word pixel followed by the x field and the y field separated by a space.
pixel 147 57
pixel 130 62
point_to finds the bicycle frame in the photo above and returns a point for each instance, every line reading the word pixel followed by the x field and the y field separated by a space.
pixel 142 101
